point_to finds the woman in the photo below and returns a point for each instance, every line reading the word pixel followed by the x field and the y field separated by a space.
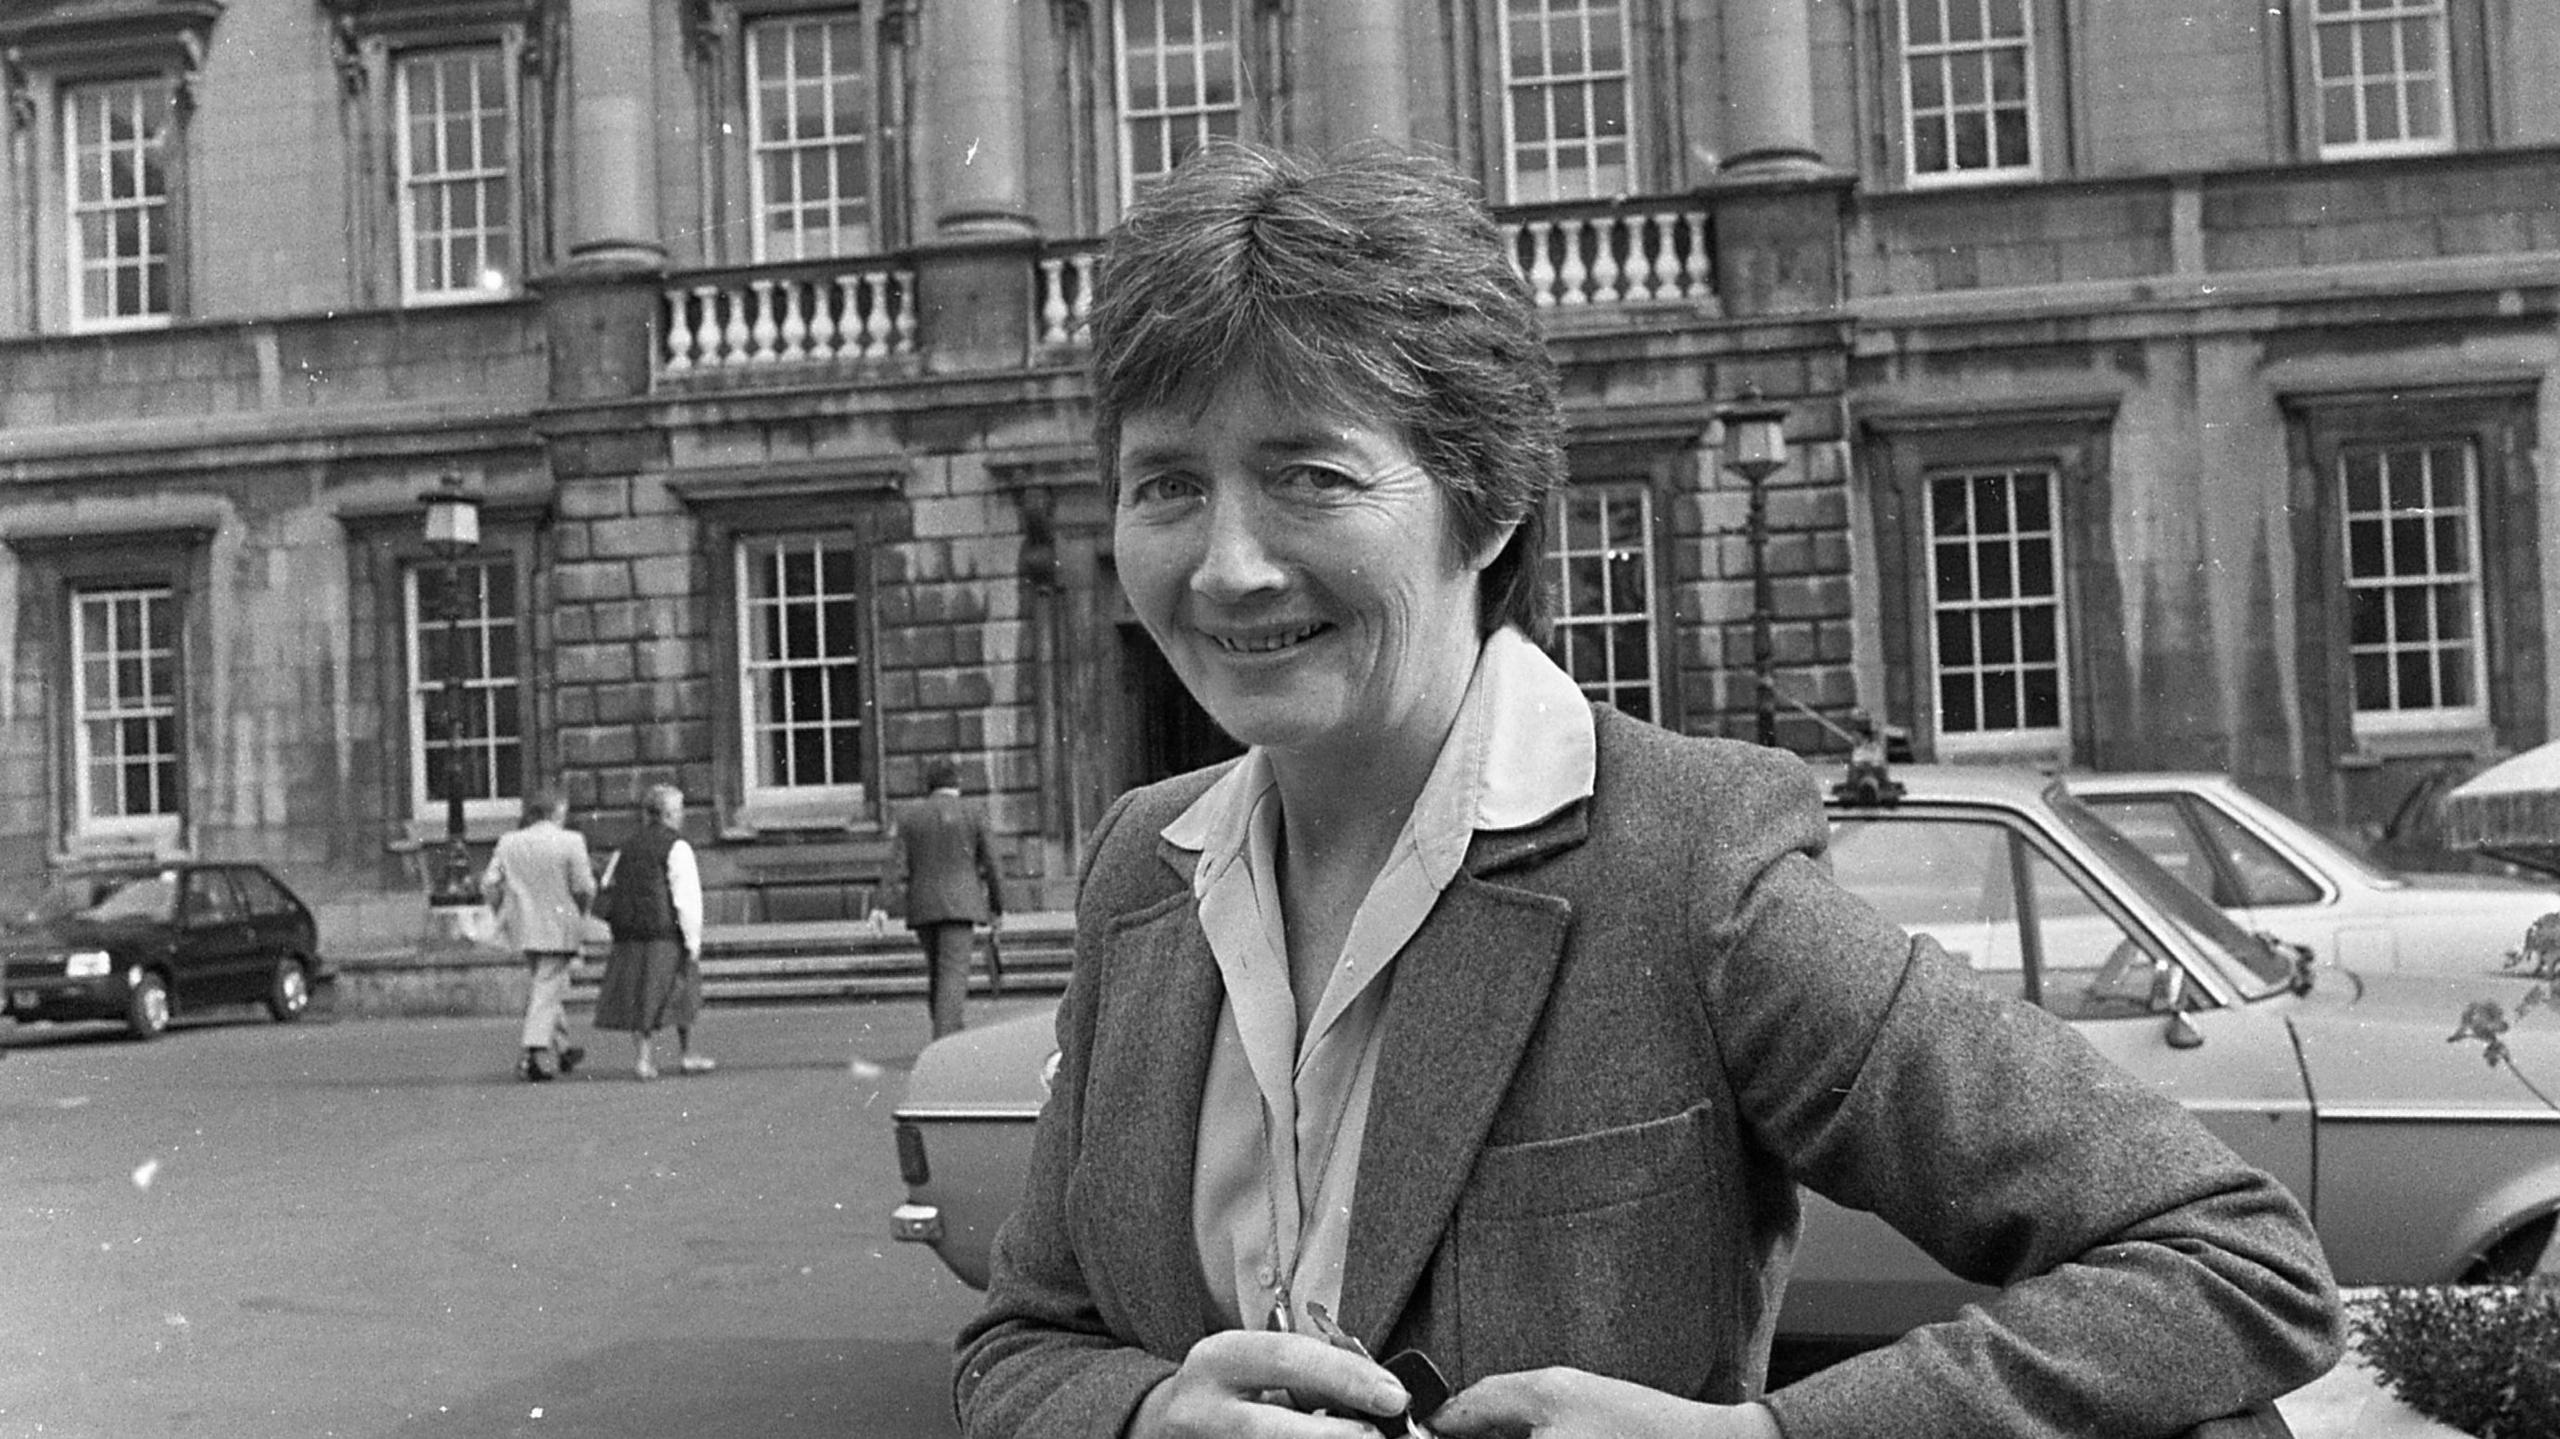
pixel 1490 1023
pixel 652 902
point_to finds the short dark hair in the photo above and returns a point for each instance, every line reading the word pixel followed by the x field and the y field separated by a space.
pixel 1371 281
pixel 543 804
pixel 941 773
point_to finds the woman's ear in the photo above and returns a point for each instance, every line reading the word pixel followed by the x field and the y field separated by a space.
pixel 1492 548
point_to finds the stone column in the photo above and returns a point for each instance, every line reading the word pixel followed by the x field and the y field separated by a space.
pixel 612 156
pixel 1768 88
pixel 971 135
pixel 1362 71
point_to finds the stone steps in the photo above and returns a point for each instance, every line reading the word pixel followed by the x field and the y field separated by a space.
pixel 845 960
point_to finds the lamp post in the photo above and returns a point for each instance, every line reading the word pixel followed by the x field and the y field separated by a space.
pixel 1755 447
pixel 453 528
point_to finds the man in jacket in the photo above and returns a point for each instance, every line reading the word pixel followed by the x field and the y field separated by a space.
pixel 540 882
pixel 942 871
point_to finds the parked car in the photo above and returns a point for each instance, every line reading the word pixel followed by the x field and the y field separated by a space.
pixel 2418 1162
pixel 142 940
pixel 2275 873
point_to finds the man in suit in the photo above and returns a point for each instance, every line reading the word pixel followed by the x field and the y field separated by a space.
pixel 942 875
pixel 540 881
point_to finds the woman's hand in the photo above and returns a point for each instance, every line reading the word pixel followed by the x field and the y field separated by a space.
pixel 1232 1384
pixel 1571 1404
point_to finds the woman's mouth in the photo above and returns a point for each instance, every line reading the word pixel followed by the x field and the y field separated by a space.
pixel 1266 641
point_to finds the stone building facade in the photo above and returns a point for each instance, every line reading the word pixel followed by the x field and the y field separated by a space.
pixel 2164 383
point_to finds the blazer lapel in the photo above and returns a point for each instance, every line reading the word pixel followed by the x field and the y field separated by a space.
pixel 1160 1012
pixel 1468 991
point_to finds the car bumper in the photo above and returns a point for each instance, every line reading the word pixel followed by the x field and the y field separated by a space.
pixel 39 996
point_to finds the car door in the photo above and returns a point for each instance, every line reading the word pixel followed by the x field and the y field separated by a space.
pixel 2035 925
pixel 217 951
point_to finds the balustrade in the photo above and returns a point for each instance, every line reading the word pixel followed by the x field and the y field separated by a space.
pixel 789 317
pixel 1586 255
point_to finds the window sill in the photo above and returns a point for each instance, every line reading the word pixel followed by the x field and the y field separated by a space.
pixel 2373 750
pixel 793 819
pixel 418 834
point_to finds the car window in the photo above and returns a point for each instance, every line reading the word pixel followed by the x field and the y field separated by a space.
pixel 2194 916
pixel 2002 906
pixel 210 899
pixel 2264 876
pixel 146 895
pixel 261 894
pixel 2156 823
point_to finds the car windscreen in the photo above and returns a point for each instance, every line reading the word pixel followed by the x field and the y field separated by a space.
pixel 109 898
pixel 2195 916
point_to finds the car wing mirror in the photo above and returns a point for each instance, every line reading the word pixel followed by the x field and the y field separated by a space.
pixel 2169 992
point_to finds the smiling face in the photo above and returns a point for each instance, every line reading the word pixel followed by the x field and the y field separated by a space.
pixel 1298 571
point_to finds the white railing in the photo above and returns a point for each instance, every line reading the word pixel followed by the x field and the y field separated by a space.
pixel 1614 256
pixel 1062 296
pixel 790 318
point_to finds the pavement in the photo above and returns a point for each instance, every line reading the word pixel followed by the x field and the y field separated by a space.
pixel 2349 1402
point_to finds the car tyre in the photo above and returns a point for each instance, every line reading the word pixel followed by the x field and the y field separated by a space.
pixel 146 1010
pixel 288 990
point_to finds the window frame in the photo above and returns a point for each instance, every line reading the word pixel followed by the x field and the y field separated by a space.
pixel 1645 490
pixel 165 640
pixel 418 630
pixel 1251 51
pixel 408 181
pixel 748 549
pixel 1984 739
pixel 2498 419
pixel 77 262
pixel 373 36
pixel 2073 439
pixel 731 225
pixel 762 249
pixel 2470 582
pixel 65 48
pixel 1505 114
pixel 2051 123
pixel 731 506
pixel 55 568
pixel 2469 107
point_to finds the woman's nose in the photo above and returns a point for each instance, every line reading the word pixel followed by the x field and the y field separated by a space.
pixel 1235 557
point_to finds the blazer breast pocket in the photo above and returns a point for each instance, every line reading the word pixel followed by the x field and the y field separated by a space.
pixel 1609 1251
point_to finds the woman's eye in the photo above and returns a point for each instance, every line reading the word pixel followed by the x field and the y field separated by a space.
pixel 1312 479
pixel 1157 492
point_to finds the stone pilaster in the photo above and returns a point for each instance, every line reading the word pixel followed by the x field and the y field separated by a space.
pixel 1364 71
pixel 1768 89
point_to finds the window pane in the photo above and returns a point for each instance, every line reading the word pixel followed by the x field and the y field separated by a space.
pixel 2410 537
pixel 124 667
pixel 1600 559
pixel 114 138
pixel 455 172
pixel 1996 586
pixel 800 654
pixel 478 744
pixel 1179 81
pixel 1566 82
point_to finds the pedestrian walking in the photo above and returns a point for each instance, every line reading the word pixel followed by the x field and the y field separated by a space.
pixel 943 879
pixel 652 901
pixel 541 881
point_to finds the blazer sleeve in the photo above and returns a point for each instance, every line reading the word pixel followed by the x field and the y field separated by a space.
pixel 581 871
pixel 1039 1361
pixel 2150 1280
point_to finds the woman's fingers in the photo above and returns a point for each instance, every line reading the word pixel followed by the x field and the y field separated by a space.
pixel 1221 1390
pixel 1572 1404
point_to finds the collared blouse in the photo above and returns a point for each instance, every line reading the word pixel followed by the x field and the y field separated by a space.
pixel 1283 1114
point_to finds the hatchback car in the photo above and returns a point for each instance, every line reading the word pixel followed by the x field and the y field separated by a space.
pixel 140 942
pixel 2417 1162
pixel 2272 872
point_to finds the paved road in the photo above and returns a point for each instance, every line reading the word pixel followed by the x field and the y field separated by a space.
pixel 370 1229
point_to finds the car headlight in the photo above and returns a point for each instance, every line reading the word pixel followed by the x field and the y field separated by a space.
pixel 87 964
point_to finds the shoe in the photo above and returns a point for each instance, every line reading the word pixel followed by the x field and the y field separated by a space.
pixel 530 1069
pixel 697 1064
pixel 571 1058
pixel 645 1069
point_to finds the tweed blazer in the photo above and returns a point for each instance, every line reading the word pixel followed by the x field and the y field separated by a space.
pixel 541 880
pixel 1618 1044
pixel 941 867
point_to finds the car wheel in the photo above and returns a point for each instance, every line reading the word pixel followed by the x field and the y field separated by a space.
pixel 146 1010
pixel 288 990
pixel 2523 1254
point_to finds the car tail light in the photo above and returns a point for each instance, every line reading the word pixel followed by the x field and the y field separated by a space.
pixel 911 1165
